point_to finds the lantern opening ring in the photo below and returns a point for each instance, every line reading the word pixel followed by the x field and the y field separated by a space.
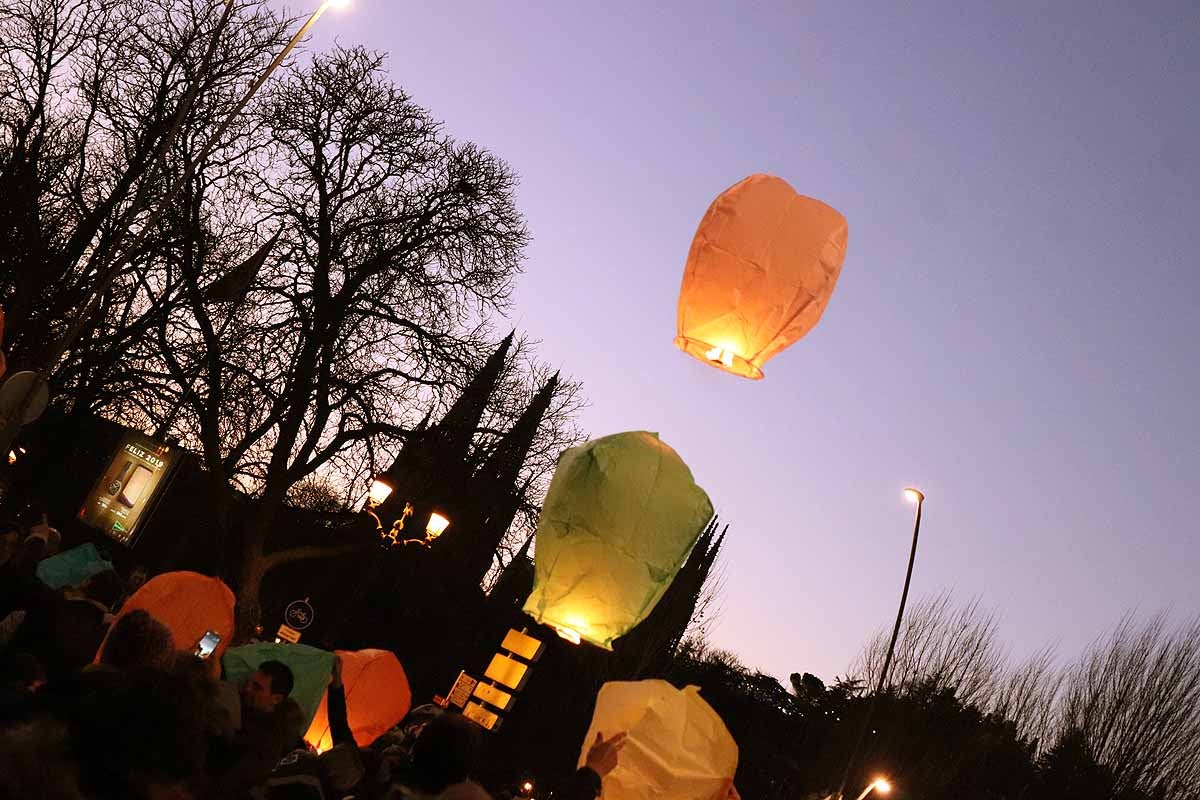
pixel 700 351
pixel 570 634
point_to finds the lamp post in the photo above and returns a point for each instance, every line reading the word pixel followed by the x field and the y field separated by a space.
pixel 437 526
pixel 917 498
pixel 11 423
pixel 879 785
pixel 380 491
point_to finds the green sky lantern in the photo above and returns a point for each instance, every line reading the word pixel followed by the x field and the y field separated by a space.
pixel 619 520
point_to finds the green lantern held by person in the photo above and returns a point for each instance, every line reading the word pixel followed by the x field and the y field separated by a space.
pixel 618 522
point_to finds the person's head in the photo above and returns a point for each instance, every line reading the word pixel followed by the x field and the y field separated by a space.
pixel 35 761
pixel 268 686
pixel 341 769
pixel 139 640
pixel 445 753
pixel 135 733
pixel 104 588
pixel 137 578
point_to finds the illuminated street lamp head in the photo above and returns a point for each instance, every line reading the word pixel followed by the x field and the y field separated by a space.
pixel 338 4
pixel 882 786
pixel 437 526
pixel 527 787
pixel 380 491
pixel 913 496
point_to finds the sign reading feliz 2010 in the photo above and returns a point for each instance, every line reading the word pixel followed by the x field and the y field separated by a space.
pixel 299 614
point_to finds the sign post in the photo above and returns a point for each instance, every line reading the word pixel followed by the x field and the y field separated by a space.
pixel 482 703
pixel 287 634
pixel 460 692
pixel 299 614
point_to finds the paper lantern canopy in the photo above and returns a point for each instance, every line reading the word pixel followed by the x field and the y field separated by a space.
pixel 190 605
pixel 377 698
pixel 618 521
pixel 677 745
pixel 760 272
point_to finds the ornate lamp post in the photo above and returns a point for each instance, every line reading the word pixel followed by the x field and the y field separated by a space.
pixel 380 491
pixel 917 498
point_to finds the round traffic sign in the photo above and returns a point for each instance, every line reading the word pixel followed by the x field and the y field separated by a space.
pixel 299 615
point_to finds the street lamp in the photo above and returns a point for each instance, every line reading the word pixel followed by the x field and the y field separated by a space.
pixel 879 785
pixel 917 498
pixel 380 490
pixel 437 526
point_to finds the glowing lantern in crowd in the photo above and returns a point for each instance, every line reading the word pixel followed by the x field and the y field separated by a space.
pixel 190 605
pixel 618 521
pixel 310 666
pixel 377 698
pixel 676 747
pixel 760 272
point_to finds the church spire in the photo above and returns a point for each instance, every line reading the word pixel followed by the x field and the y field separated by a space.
pixel 504 463
pixel 434 463
pixel 458 427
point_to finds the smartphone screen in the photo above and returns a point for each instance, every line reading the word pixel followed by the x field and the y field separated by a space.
pixel 207 644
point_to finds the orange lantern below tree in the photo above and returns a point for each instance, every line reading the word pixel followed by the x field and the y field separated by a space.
pixel 190 605
pixel 761 270
pixel 377 698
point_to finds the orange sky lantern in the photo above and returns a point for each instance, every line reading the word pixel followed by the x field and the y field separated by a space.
pixel 190 605
pixel 377 698
pixel 760 272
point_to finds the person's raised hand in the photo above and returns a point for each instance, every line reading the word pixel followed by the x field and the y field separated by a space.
pixel 337 670
pixel 602 757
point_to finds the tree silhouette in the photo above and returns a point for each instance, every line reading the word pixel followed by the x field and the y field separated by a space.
pixel 380 250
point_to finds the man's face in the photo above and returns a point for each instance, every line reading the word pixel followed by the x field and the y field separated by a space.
pixel 257 693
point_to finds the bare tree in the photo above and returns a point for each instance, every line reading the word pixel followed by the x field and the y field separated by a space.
pixel 943 646
pixel 394 244
pixel 1134 698
pixel 386 247
pixel 105 92
pixel 1028 695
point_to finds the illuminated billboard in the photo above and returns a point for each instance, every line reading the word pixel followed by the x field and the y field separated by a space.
pixel 129 486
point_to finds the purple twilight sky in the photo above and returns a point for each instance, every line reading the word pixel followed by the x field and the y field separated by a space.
pixel 1017 325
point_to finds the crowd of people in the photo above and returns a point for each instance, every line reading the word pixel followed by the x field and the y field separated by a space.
pixel 96 704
